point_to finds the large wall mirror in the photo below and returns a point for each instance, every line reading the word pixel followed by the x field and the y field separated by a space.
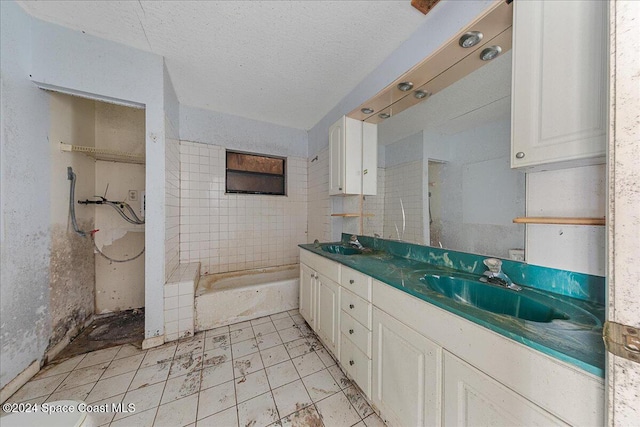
pixel 444 177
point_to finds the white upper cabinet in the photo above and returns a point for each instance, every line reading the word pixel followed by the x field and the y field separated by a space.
pixel 353 145
pixel 559 93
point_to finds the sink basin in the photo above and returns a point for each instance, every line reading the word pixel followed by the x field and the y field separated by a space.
pixel 341 250
pixel 495 299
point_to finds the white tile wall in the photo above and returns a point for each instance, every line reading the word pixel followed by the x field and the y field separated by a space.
pixel 375 205
pixel 319 205
pixel 172 206
pixel 404 182
pixel 231 232
pixel 179 301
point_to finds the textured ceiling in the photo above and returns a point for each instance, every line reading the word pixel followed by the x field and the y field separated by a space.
pixel 285 62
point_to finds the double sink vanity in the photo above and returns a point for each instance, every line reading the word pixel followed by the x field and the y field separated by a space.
pixel 430 342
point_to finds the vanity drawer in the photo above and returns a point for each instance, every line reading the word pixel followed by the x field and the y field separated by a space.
pixel 356 333
pixel 356 282
pixel 356 307
pixel 356 364
pixel 330 269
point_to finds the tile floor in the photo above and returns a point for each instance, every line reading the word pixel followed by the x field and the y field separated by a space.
pixel 271 371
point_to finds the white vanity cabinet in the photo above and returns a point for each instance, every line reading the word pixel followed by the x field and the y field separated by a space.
pixel 422 365
pixel 472 398
pixel 355 326
pixel 559 87
pixel 328 310
pixel 319 297
pixel 406 380
pixel 353 157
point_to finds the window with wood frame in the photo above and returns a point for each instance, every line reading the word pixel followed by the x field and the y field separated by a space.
pixel 255 174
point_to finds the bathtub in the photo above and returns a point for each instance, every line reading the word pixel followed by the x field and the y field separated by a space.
pixel 227 298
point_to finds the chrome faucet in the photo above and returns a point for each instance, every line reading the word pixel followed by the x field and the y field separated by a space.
pixel 496 276
pixel 353 241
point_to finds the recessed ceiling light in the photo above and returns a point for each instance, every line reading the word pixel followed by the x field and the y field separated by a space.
pixel 490 53
pixel 367 110
pixel 384 115
pixel 420 94
pixel 405 86
pixel 470 39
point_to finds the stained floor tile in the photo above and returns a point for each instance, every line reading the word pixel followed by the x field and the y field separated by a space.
pixel 270 371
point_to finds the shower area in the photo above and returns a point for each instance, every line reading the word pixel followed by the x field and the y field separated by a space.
pixel 98 235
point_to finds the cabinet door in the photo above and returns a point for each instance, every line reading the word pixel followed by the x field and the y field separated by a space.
pixel 559 106
pixel 336 158
pixel 406 374
pixel 327 312
pixel 307 294
pixel 472 398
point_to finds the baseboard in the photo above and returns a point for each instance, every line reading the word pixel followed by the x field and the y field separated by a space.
pixel 20 380
pixel 152 342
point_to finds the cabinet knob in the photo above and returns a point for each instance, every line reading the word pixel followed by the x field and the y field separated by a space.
pixel 351 281
pixel 313 276
pixel 351 362
pixel 520 155
pixel 351 306
pixel 351 331
pixel 340 188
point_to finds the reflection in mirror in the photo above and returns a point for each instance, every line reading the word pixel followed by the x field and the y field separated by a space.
pixel 444 177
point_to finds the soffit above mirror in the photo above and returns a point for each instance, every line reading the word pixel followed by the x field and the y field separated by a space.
pixel 447 65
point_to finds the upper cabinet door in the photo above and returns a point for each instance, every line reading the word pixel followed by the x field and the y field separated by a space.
pixel 353 145
pixel 336 157
pixel 559 104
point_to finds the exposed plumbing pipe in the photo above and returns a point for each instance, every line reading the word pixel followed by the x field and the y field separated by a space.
pixel 71 176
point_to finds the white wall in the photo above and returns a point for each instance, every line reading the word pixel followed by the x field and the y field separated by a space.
pixel 172 176
pixel 25 171
pixel 318 200
pixel 70 61
pixel 575 192
pixel 232 232
pixel 119 286
pixel 72 266
pixel 239 133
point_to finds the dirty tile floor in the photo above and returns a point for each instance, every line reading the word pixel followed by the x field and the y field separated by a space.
pixel 271 371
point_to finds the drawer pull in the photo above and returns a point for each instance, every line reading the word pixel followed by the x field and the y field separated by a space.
pixel 351 331
pixel 351 362
pixel 351 306
pixel 351 281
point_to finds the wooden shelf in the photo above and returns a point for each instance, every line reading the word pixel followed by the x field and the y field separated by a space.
pixel 351 215
pixel 104 154
pixel 558 220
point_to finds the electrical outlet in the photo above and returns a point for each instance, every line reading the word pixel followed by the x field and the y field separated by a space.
pixel 133 195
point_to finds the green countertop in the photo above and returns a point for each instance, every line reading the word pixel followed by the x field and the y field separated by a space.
pixel 577 341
